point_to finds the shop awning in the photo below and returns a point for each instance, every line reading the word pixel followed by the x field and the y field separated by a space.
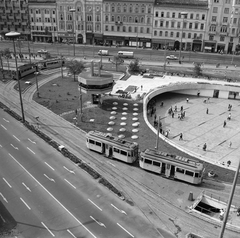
pixel 210 41
pixel 197 41
pixel 163 41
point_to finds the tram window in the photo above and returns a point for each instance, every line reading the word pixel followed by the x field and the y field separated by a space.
pixel 156 163
pixel 190 173
pixel 196 175
pixel 180 170
pixel 116 150
pixel 91 141
pixel 98 143
pixel 124 153
pixel 147 161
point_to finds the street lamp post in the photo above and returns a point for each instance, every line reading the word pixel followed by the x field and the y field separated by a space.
pixel 74 30
pixel 13 35
pixel 36 74
pixel 184 14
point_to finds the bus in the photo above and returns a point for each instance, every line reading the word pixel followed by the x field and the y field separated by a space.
pixel 126 54
pixel 50 63
pixel 112 147
pixel 25 70
pixel 172 166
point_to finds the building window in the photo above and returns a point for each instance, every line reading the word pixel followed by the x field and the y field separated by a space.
pixel 214 18
pixel 149 10
pixel 113 8
pixel 235 21
pixel 124 28
pixel 118 9
pixel 212 28
pixel 135 29
pixel 171 34
pixel 178 34
pixel 184 25
pixel 226 10
pixel 106 18
pixel 118 28
pixel 130 9
pixel 161 23
pixel 223 29
pixel 215 9
pixel 143 9
pixel 216 1
pixel 141 30
pixel 155 33
pixel 225 19
pixel 89 17
pixel 228 1
pixel 183 35
pixel 162 14
pixel 136 19
pixel 195 36
pixel 203 16
pixel 155 23
pixel 112 18
pixel 178 25
pixel 98 18
pixel 179 15
pixel 106 28
pixel 130 19
pixel 160 33
pixel 233 31
pixel 129 29
pixel 191 16
pixel 197 16
pixel 189 35
pixel 166 33
pixel 124 18
pixel 202 26
pixel 172 24
pixel 211 37
pixel 190 25
pixel 200 36
pixel 112 28
pixel 168 15
pixel 142 20
pixel 173 15
pixel 167 24
pixel 231 39
pixel 148 31
pixel 148 20
pixel 196 25
pixel 156 14
pixel 118 18
pixel 222 38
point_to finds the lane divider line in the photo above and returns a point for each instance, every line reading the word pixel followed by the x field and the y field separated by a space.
pixel 71 233
pixel 3 127
pixel 70 183
pixel 125 230
pixel 49 166
pixel 118 209
pixel 7 182
pixel 16 137
pixel 25 203
pixel 31 150
pixel 94 204
pixel 47 229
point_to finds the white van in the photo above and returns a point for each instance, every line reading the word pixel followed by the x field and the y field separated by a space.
pixel 126 54
pixel 103 52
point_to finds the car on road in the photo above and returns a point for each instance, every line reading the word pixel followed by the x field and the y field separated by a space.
pixel 171 57
pixel 42 51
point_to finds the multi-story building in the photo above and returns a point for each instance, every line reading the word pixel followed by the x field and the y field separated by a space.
pixel 128 22
pixel 177 21
pixel 223 26
pixel 14 17
pixel 43 19
pixel 81 19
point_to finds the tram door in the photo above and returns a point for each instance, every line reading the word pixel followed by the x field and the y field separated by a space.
pixel 172 171
pixel 108 151
pixel 163 169
pixel 168 170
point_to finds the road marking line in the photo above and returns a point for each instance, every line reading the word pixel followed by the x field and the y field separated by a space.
pixel 98 222
pixel 49 166
pixel 71 233
pixel 14 147
pixel 70 171
pixel 3 198
pixel 111 163
pixel 31 150
pixel 119 209
pixel 26 187
pixel 5 120
pixel 94 204
pixel 3 127
pixel 25 204
pixel 70 183
pixel 16 137
pixel 51 179
pixel 125 230
pixel 52 195
pixel 48 229
pixel 2 218
pixel 32 141
pixel 7 182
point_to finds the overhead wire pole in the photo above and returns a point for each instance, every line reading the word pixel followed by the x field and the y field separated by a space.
pixel 184 14
pixel 74 29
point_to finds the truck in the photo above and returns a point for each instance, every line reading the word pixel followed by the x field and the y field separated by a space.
pixel 103 52
pixel 126 54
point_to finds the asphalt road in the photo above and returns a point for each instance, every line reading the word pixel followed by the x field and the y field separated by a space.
pixel 143 54
pixel 49 197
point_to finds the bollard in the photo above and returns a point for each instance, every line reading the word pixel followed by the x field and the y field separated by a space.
pixel 190 197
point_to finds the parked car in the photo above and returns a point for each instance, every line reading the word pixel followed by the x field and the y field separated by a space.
pixel 172 57
pixel 64 41
pixel 42 51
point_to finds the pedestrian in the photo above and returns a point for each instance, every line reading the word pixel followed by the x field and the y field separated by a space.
pixel 76 111
pixel 175 109
pixel 155 117
pixel 230 144
pixel 166 133
pixel 207 111
pixel 181 108
pixel 198 93
pixel 162 104
pixel 141 87
pixel 204 146
pixel 208 100
pixel 224 124
pixel 172 114
pixel 228 163
pixel 187 100
pixel 181 136
pixel 229 116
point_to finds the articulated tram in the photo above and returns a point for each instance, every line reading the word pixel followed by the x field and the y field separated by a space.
pixel 112 147
pixel 172 166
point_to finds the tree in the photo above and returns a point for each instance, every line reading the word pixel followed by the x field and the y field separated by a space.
pixel 134 66
pixel 75 67
pixel 117 61
pixel 7 54
pixel 197 69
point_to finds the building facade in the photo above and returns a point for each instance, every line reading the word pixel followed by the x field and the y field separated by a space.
pixel 223 26
pixel 43 20
pixel 14 16
pixel 177 21
pixel 128 23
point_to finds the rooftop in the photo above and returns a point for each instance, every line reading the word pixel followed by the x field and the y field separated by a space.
pixel 182 2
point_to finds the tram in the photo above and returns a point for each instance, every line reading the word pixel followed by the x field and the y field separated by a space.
pixel 50 63
pixel 172 166
pixel 112 147
pixel 25 70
